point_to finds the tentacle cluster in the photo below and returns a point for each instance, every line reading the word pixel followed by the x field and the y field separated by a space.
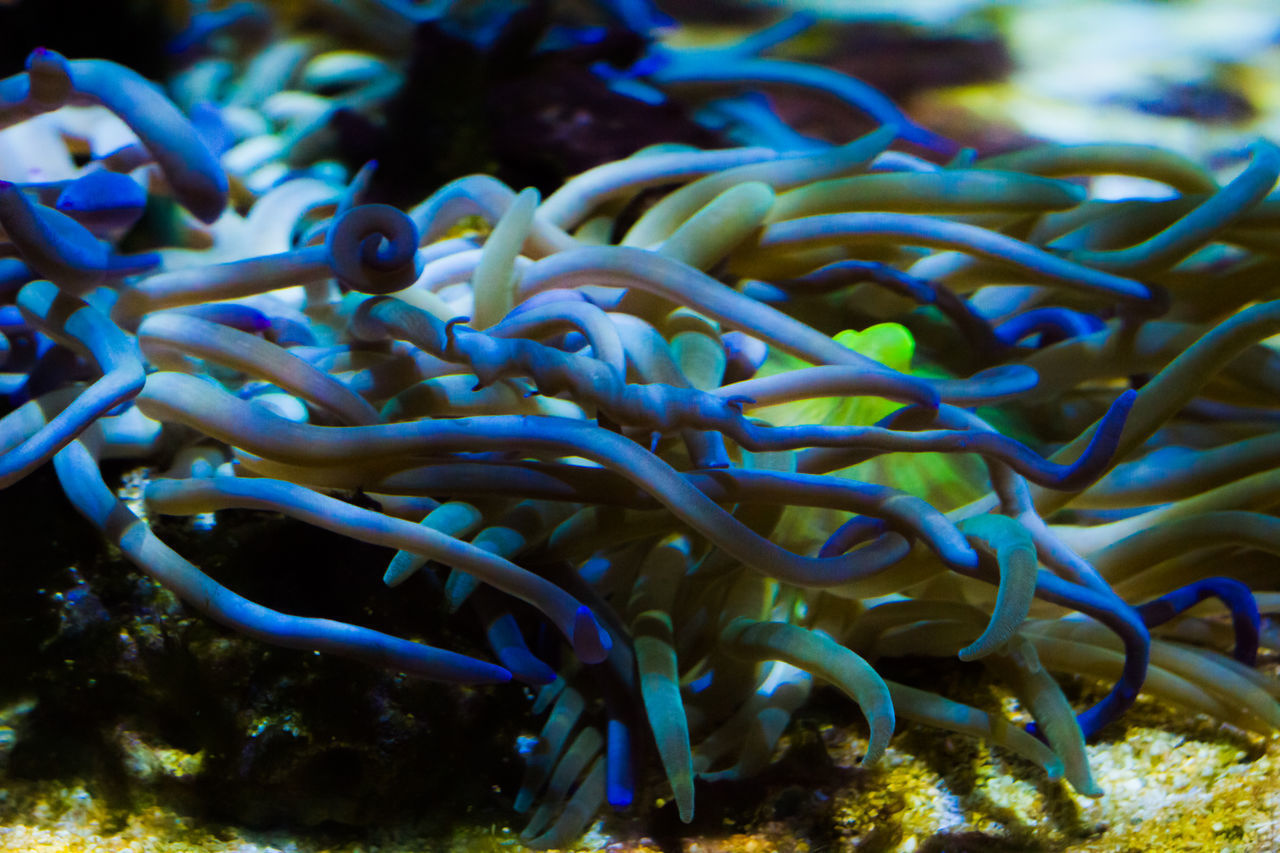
pixel 662 440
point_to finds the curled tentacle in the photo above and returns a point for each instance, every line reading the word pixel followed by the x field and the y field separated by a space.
pixel 373 248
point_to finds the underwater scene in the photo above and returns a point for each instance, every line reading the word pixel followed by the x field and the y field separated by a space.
pixel 729 426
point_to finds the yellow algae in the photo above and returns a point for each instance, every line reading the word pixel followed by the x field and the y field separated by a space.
pixel 1172 784
pixel 471 225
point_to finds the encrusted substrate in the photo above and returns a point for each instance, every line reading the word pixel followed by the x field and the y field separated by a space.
pixel 1172 783
pixel 1191 786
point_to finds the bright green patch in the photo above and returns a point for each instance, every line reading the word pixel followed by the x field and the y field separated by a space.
pixel 945 480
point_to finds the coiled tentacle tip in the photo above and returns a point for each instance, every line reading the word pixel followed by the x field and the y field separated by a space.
pixel 373 249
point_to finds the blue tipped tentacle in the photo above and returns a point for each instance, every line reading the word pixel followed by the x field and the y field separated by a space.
pixel 1238 598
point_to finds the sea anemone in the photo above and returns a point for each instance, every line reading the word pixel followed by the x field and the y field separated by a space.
pixel 728 421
